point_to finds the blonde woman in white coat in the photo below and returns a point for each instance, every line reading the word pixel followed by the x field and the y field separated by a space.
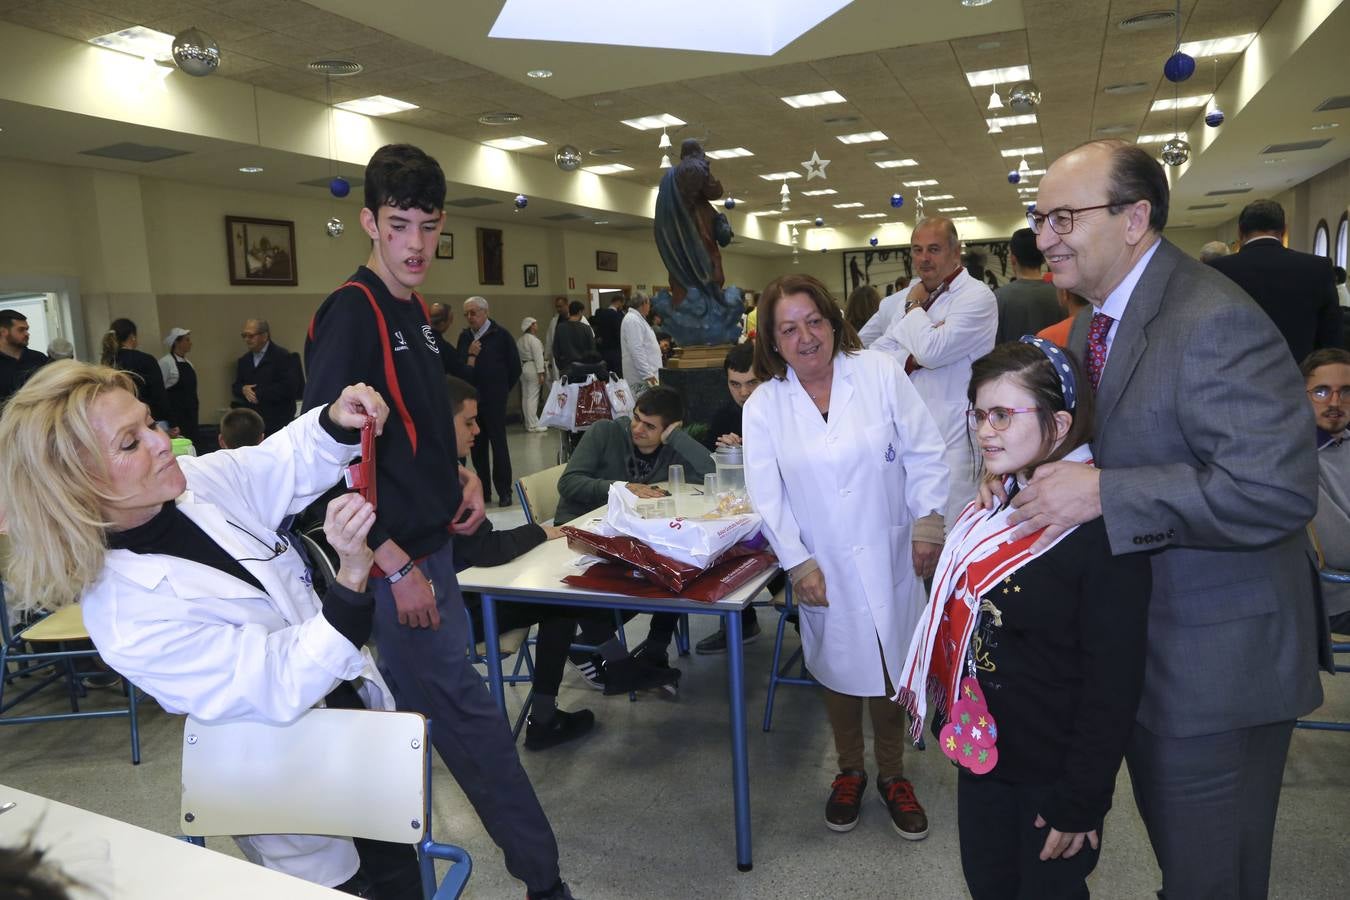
pixel 844 463
pixel 533 371
pixel 187 588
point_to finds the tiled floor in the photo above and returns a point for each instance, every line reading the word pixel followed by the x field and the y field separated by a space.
pixel 642 806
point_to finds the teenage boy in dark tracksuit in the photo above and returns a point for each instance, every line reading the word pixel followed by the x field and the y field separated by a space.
pixel 375 329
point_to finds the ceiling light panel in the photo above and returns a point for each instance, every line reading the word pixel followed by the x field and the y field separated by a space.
pixel 732 153
pixel 766 212
pixel 871 215
pixel 923 182
pixel 953 209
pixel 987 77
pixel 896 163
pixel 847 205
pixel 1154 138
pixel 1032 173
pixel 607 169
pixel 823 192
pixel 862 137
pixel 932 197
pixel 519 142
pixel 823 98
pixel 1193 102
pixel 650 123
pixel 377 105
pixel 1010 121
pixel 780 176
pixel 1023 151
pixel 137 41
pixel 1218 46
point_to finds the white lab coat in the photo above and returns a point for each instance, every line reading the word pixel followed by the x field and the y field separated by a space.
pixel 846 493
pixel 958 329
pixel 532 365
pixel 206 643
pixel 640 350
pixel 891 305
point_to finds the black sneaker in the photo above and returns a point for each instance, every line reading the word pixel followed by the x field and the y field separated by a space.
pixel 658 657
pixel 559 891
pixel 563 727
pixel 717 643
pixel 590 666
pixel 628 675
pixel 504 502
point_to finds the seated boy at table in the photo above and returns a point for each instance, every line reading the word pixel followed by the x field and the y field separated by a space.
pixel 637 452
pixel 547 725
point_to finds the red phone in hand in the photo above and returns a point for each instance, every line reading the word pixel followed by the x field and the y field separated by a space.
pixel 361 474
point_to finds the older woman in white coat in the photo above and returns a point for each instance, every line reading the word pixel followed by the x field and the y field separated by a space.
pixel 532 368
pixel 844 463
pixel 187 588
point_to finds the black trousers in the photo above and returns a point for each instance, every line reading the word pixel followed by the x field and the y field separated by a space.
pixel 557 629
pixel 491 443
pixel 1001 845
pixel 659 632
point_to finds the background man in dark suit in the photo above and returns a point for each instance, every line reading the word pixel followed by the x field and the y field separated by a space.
pixel 1297 290
pixel 1205 463
pixel 493 363
pixel 267 378
pixel 607 322
pixel 17 361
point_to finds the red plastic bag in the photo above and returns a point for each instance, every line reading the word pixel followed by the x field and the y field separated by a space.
pixel 592 404
pixel 636 563
pixel 709 587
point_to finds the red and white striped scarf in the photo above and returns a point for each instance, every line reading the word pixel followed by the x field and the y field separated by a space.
pixel 977 555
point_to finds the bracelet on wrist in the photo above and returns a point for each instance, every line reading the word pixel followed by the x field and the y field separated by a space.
pixel 402 573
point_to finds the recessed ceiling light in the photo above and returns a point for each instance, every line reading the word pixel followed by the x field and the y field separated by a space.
pixel 862 137
pixel 519 142
pixel 1023 151
pixel 823 192
pixel 1115 129
pixel 954 209
pixel 841 120
pixel 498 118
pixel 1326 126
pixel 896 163
pixel 1272 162
pixel 1032 173
pixel 779 176
pixel 974 3
pixel 931 197
pixel 250 170
pixel 602 102
pixel 823 98
pixel 649 123
pixel 1218 46
pixel 795 222
pixel 923 182
pixel 1009 121
pixel 600 222
pixel 608 169
pixel 1027 190
pixel 988 45
pixel 137 41
pixel 963 218
pixel 607 151
pixel 1154 138
pixel 539 73
pixel 1125 87
pixel 987 77
pixel 871 215
pixel 854 205
pixel 1195 101
pixel 767 212
pixel 377 105
pixel 732 153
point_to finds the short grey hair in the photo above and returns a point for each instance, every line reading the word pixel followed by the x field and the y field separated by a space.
pixel 1213 250
pixel 639 298
pixel 60 348
pixel 947 225
pixel 477 303
pixel 261 325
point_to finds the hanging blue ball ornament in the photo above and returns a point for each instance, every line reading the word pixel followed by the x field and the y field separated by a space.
pixel 339 187
pixel 897 201
pixel 1214 118
pixel 1014 177
pixel 729 203
pixel 522 201
pixel 872 241
pixel 820 220
pixel 1179 67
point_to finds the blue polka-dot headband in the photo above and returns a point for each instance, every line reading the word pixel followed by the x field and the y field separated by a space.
pixel 1068 385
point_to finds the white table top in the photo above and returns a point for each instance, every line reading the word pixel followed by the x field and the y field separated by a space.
pixel 539 573
pixel 118 861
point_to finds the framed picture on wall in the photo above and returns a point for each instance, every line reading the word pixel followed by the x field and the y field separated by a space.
pixel 490 256
pixel 606 261
pixel 445 246
pixel 531 275
pixel 260 251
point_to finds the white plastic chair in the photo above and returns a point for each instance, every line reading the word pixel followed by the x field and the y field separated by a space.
pixel 348 772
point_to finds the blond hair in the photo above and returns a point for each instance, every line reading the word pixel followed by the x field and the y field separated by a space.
pixel 52 473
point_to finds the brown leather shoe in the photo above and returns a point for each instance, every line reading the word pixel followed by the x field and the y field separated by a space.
pixel 907 816
pixel 845 803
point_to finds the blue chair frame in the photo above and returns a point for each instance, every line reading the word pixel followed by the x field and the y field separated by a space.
pixel 780 671
pixel 1330 576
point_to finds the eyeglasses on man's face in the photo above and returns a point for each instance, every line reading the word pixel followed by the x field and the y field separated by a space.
pixel 999 417
pixel 1061 219
pixel 1324 392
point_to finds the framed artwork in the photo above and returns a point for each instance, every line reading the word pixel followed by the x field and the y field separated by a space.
pixel 260 251
pixel 445 246
pixel 490 256
pixel 531 275
pixel 606 261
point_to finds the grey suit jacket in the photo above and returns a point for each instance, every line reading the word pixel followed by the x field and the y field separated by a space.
pixel 1202 438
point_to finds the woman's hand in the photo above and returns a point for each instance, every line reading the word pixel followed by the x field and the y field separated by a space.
pixel 346 524
pixel 356 404
pixel 1064 844
pixel 810 590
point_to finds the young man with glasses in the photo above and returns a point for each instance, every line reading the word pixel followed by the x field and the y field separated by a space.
pixel 1203 462
pixel 1326 378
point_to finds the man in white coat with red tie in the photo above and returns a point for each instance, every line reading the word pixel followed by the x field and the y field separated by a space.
pixel 949 321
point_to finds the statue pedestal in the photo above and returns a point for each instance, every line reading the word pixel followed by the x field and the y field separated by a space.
pixel 703 390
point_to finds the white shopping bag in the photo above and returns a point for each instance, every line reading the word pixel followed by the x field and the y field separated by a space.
pixel 694 541
pixel 560 408
pixel 620 397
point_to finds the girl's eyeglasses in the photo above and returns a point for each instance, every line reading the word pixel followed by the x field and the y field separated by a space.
pixel 1000 417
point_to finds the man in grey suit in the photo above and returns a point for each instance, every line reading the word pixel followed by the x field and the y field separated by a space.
pixel 1205 464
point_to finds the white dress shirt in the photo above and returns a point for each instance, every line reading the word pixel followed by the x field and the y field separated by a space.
pixel 1117 300
pixel 639 348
